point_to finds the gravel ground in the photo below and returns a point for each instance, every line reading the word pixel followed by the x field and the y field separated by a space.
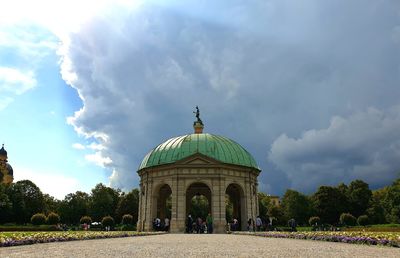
pixel 183 245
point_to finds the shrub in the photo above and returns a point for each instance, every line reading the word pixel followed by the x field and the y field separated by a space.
pixel 107 221
pixel 127 219
pixel 86 219
pixel 363 220
pixel 128 228
pixel 53 218
pixel 347 219
pixel 38 219
pixel 313 221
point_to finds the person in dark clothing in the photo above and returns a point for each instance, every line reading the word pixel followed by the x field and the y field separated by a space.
pixel 189 224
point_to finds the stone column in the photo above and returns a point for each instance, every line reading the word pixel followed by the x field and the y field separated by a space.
pixel 218 205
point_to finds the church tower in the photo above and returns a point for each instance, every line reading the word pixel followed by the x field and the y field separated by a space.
pixel 6 171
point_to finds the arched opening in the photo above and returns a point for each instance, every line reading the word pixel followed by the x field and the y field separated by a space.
pixel 198 206
pixel 235 208
pixel 162 208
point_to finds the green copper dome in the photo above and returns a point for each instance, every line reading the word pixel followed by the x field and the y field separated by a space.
pixel 213 146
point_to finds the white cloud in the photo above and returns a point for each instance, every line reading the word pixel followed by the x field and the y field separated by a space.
pixel 365 146
pixel 17 82
pixel 78 146
pixel 272 68
pixel 55 184
pixel 98 159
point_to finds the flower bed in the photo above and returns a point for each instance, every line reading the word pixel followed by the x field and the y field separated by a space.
pixel 368 238
pixel 28 238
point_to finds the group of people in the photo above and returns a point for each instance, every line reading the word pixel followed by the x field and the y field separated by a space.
pixel 158 225
pixel 199 225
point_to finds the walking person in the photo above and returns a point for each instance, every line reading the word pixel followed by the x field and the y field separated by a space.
pixel 209 221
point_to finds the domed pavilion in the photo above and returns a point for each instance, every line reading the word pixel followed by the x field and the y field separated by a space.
pixel 192 165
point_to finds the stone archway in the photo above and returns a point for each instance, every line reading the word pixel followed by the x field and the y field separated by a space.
pixel 162 202
pixel 235 196
pixel 198 189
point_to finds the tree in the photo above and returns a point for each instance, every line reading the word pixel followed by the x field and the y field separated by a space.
pixel 107 221
pixel 314 221
pixel 329 203
pixel 5 205
pixel 27 199
pixel 103 201
pixel 296 206
pixel 363 220
pixel 263 202
pixel 53 218
pixel 73 207
pixel 391 202
pixel 127 219
pixel 347 219
pixel 276 214
pixel 86 220
pixel 128 204
pixel 38 219
pixel 376 211
pixel 50 203
pixel 359 196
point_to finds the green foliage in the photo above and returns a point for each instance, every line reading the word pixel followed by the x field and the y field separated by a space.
pixel 53 218
pixel 38 219
pixel 199 207
pixel 228 209
pixel 5 205
pixel 363 220
pixel 329 202
pixel 276 214
pixel 296 206
pixel 359 196
pixel 104 201
pixel 127 219
pixel 376 210
pixel 314 221
pixel 347 219
pixel 86 219
pixel 27 199
pixel 263 202
pixel 391 202
pixel 107 221
pixel 73 207
pixel 128 227
pixel 50 203
pixel 128 204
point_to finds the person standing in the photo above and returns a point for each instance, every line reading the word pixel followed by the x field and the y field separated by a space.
pixel 258 223
pixel 166 224
pixel 210 221
pixel 189 225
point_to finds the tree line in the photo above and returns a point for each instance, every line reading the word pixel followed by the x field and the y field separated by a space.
pixel 335 205
pixel 21 200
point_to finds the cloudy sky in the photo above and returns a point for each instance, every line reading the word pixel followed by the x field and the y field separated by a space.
pixel 310 88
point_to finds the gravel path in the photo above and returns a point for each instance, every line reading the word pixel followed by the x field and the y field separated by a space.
pixel 182 245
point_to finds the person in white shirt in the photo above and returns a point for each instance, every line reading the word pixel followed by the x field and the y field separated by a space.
pixel 258 223
pixel 166 224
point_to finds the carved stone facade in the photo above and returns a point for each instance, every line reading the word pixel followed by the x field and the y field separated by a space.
pixel 197 174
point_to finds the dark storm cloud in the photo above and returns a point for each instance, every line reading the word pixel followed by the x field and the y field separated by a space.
pixel 257 70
